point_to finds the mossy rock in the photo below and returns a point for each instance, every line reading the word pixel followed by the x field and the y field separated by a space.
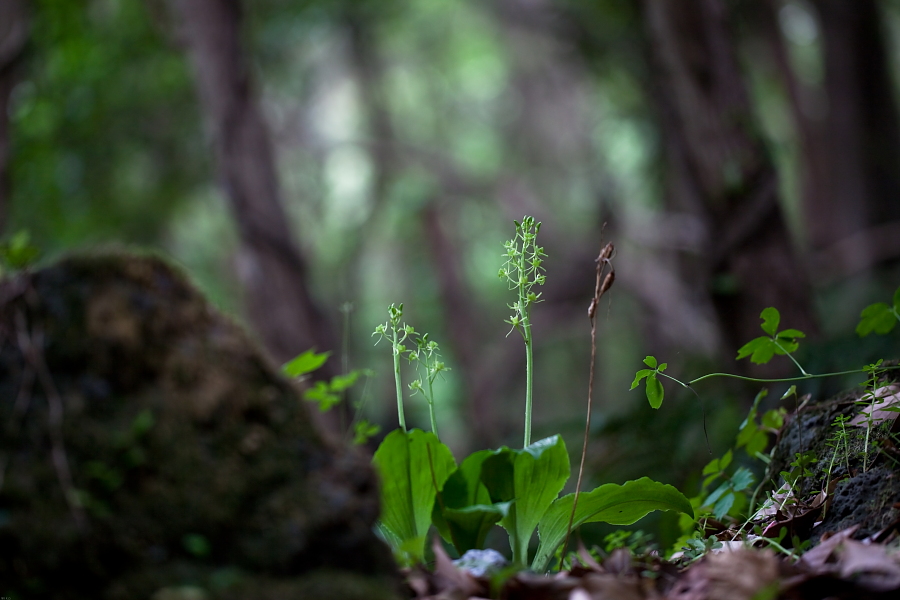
pixel 150 450
pixel 864 474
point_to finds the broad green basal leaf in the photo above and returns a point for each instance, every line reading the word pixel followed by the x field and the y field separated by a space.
pixel 410 464
pixel 464 513
pixel 531 478
pixel 610 503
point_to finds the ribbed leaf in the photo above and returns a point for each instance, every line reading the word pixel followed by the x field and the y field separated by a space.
pixel 610 503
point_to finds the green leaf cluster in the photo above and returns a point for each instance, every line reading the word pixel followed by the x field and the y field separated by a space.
pixel 728 494
pixel 653 386
pixel 326 394
pixel 762 349
pixel 515 488
pixel 753 435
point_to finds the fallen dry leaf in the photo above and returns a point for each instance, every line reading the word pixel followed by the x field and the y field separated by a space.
pixel 885 397
pixel 736 575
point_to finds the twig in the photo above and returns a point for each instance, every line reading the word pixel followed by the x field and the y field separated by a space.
pixel 601 286
pixel 31 350
pixel 23 399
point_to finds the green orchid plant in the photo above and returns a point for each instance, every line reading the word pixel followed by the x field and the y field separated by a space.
pixel 518 489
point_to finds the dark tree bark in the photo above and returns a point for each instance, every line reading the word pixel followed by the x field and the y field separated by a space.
pixel 851 146
pixel 271 268
pixel 13 35
pixel 719 168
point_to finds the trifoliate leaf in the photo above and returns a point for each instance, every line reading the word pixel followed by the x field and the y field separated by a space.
pixel 650 361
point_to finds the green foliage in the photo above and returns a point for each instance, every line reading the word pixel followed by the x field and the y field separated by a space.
pixel 654 388
pixel 466 512
pixel 395 334
pixel 17 252
pixel 753 435
pixel 105 137
pixel 637 542
pixel 609 503
pixel 879 317
pixel 697 547
pixel 304 363
pixel 425 354
pixel 517 489
pixel 413 466
pixel 531 478
pixel 762 349
pixel 363 431
pixel 799 468
pixel 326 394
pixel 723 499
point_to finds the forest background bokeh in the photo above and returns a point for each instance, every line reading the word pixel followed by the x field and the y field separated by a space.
pixel 311 162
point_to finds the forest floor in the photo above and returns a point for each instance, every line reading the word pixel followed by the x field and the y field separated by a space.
pixel 837 568
pixel 841 512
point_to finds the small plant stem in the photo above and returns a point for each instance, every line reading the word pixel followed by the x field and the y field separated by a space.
pixel 529 378
pixel 793 360
pixel 396 344
pixel 430 399
pixel 758 380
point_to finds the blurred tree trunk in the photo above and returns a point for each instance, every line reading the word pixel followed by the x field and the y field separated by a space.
pixel 850 140
pixel 384 148
pixel 270 266
pixel 719 168
pixel 13 35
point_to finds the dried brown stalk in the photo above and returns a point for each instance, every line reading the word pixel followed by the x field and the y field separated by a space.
pixel 601 286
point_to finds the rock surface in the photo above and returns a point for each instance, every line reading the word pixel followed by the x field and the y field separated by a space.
pixel 149 450
pixel 864 476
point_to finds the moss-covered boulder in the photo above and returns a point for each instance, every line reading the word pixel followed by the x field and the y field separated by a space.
pixel 149 450
pixel 857 463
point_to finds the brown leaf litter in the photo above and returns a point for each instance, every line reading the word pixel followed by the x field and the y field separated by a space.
pixel 839 567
